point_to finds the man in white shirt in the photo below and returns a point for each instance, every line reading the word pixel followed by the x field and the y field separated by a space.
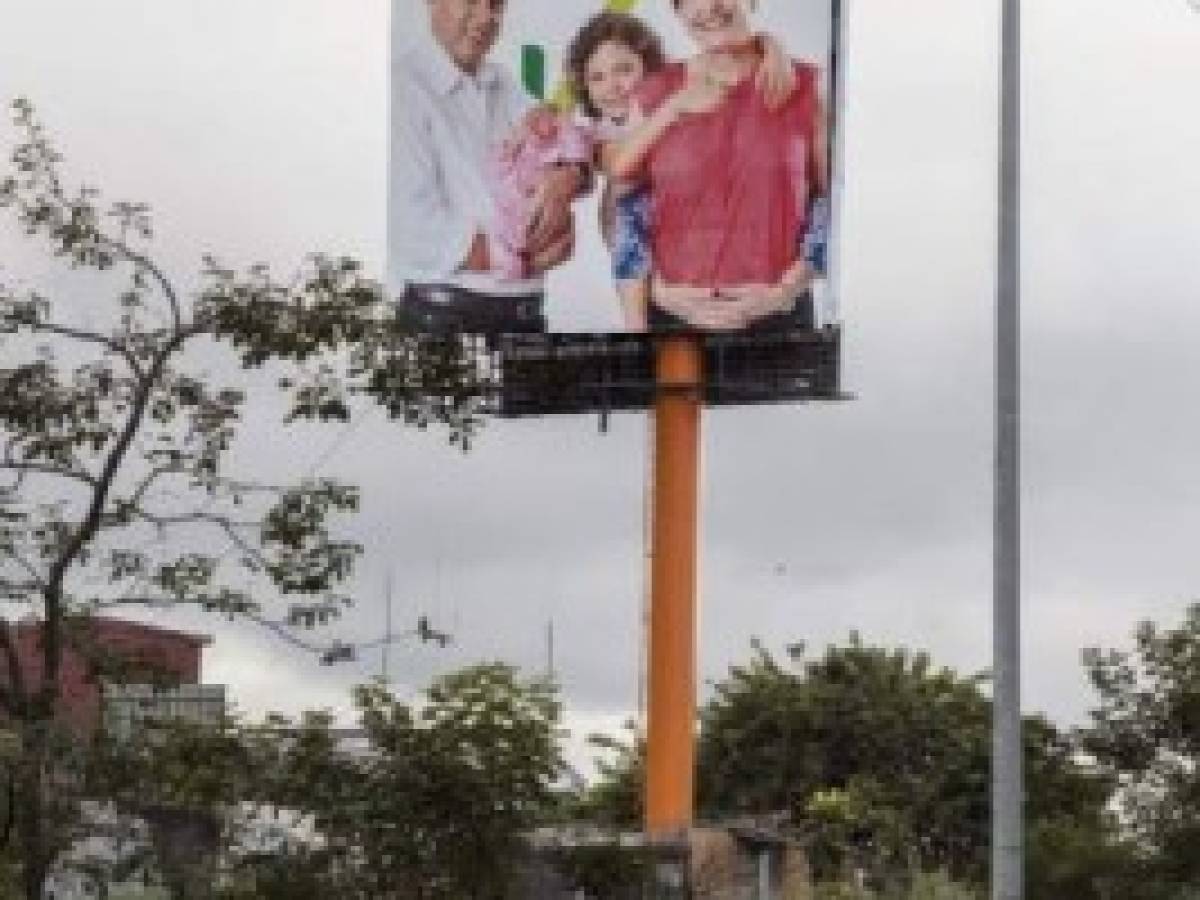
pixel 450 106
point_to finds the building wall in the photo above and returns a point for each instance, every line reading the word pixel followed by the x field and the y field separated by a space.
pixel 173 655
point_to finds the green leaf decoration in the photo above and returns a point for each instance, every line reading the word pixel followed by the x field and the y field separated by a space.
pixel 533 70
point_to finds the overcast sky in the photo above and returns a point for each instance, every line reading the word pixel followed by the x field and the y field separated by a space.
pixel 258 131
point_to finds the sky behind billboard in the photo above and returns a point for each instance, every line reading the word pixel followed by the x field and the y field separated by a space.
pixel 254 130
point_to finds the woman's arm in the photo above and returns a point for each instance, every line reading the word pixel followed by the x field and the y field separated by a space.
pixel 624 159
pixel 776 75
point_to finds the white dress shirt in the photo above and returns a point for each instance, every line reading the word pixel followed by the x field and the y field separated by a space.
pixel 444 123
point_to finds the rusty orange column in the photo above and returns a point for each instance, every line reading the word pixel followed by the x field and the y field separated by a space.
pixel 671 711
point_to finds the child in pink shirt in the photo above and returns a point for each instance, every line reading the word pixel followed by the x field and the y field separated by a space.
pixel 516 169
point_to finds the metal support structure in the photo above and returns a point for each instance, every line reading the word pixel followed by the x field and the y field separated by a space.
pixel 671 713
pixel 1007 780
pixel 764 873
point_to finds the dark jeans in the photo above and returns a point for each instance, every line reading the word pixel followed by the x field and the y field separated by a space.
pixel 799 316
pixel 445 309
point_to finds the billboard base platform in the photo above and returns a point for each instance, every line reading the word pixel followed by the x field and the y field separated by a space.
pixel 564 374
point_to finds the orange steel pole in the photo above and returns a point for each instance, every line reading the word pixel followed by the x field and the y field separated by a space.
pixel 671 712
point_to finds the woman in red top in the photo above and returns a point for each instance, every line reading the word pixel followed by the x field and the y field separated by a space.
pixel 731 177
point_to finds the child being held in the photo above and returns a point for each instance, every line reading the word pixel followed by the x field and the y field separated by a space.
pixel 516 169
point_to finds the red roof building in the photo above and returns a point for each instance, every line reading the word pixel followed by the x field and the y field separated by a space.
pixel 172 656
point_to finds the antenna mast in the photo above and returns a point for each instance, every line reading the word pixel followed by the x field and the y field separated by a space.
pixel 385 653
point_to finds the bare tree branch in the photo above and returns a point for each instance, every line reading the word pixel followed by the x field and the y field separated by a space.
pixel 11 490
pixel 280 629
pixel 199 517
pixel 27 566
pixel 90 338
pixel 103 604
pixel 288 635
pixel 143 262
pixel 246 548
pixel 17 590
pixel 224 522
pixel 38 469
pixel 248 487
pixel 52 643
pixel 152 476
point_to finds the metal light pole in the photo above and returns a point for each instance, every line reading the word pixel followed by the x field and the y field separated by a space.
pixel 1007 781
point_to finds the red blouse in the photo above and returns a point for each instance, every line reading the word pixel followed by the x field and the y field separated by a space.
pixel 729 188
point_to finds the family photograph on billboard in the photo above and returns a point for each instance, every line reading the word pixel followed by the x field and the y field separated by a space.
pixel 624 166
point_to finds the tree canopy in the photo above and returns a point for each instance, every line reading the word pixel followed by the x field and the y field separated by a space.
pixel 434 803
pixel 880 761
pixel 1145 731
pixel 120 487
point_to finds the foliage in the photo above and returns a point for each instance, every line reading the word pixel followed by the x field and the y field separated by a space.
pixel 925 886
pixel 118 482
pixel 940 886
pixel 1146 733
pixel 880 760
pixel 183 781
pixel 10 875
pixel 435 806
pixel 605 870
pixel 454 784
pixel 614 797
pixel 1088 860
pixel 872 751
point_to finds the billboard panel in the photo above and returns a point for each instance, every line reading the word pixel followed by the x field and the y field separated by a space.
pixel 573 166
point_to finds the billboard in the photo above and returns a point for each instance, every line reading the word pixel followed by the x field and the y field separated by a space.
pixel 582 166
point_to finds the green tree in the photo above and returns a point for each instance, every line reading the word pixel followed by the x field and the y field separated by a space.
pixel 114 442
pixel 227 783
pixel 881 757
pixel 925 886
pixel 179 786
pixel 452 784
pixel 1145 731
pixel 1087 857
pixel 881 760
pixel 903 742
pixel 437 803
pixel 614 798
pixel 435 806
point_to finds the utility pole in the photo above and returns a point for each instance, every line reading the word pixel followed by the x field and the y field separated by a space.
pixel 1007 780
pixel 386 650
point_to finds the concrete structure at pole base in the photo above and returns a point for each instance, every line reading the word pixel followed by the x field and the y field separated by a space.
pixel 738 859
